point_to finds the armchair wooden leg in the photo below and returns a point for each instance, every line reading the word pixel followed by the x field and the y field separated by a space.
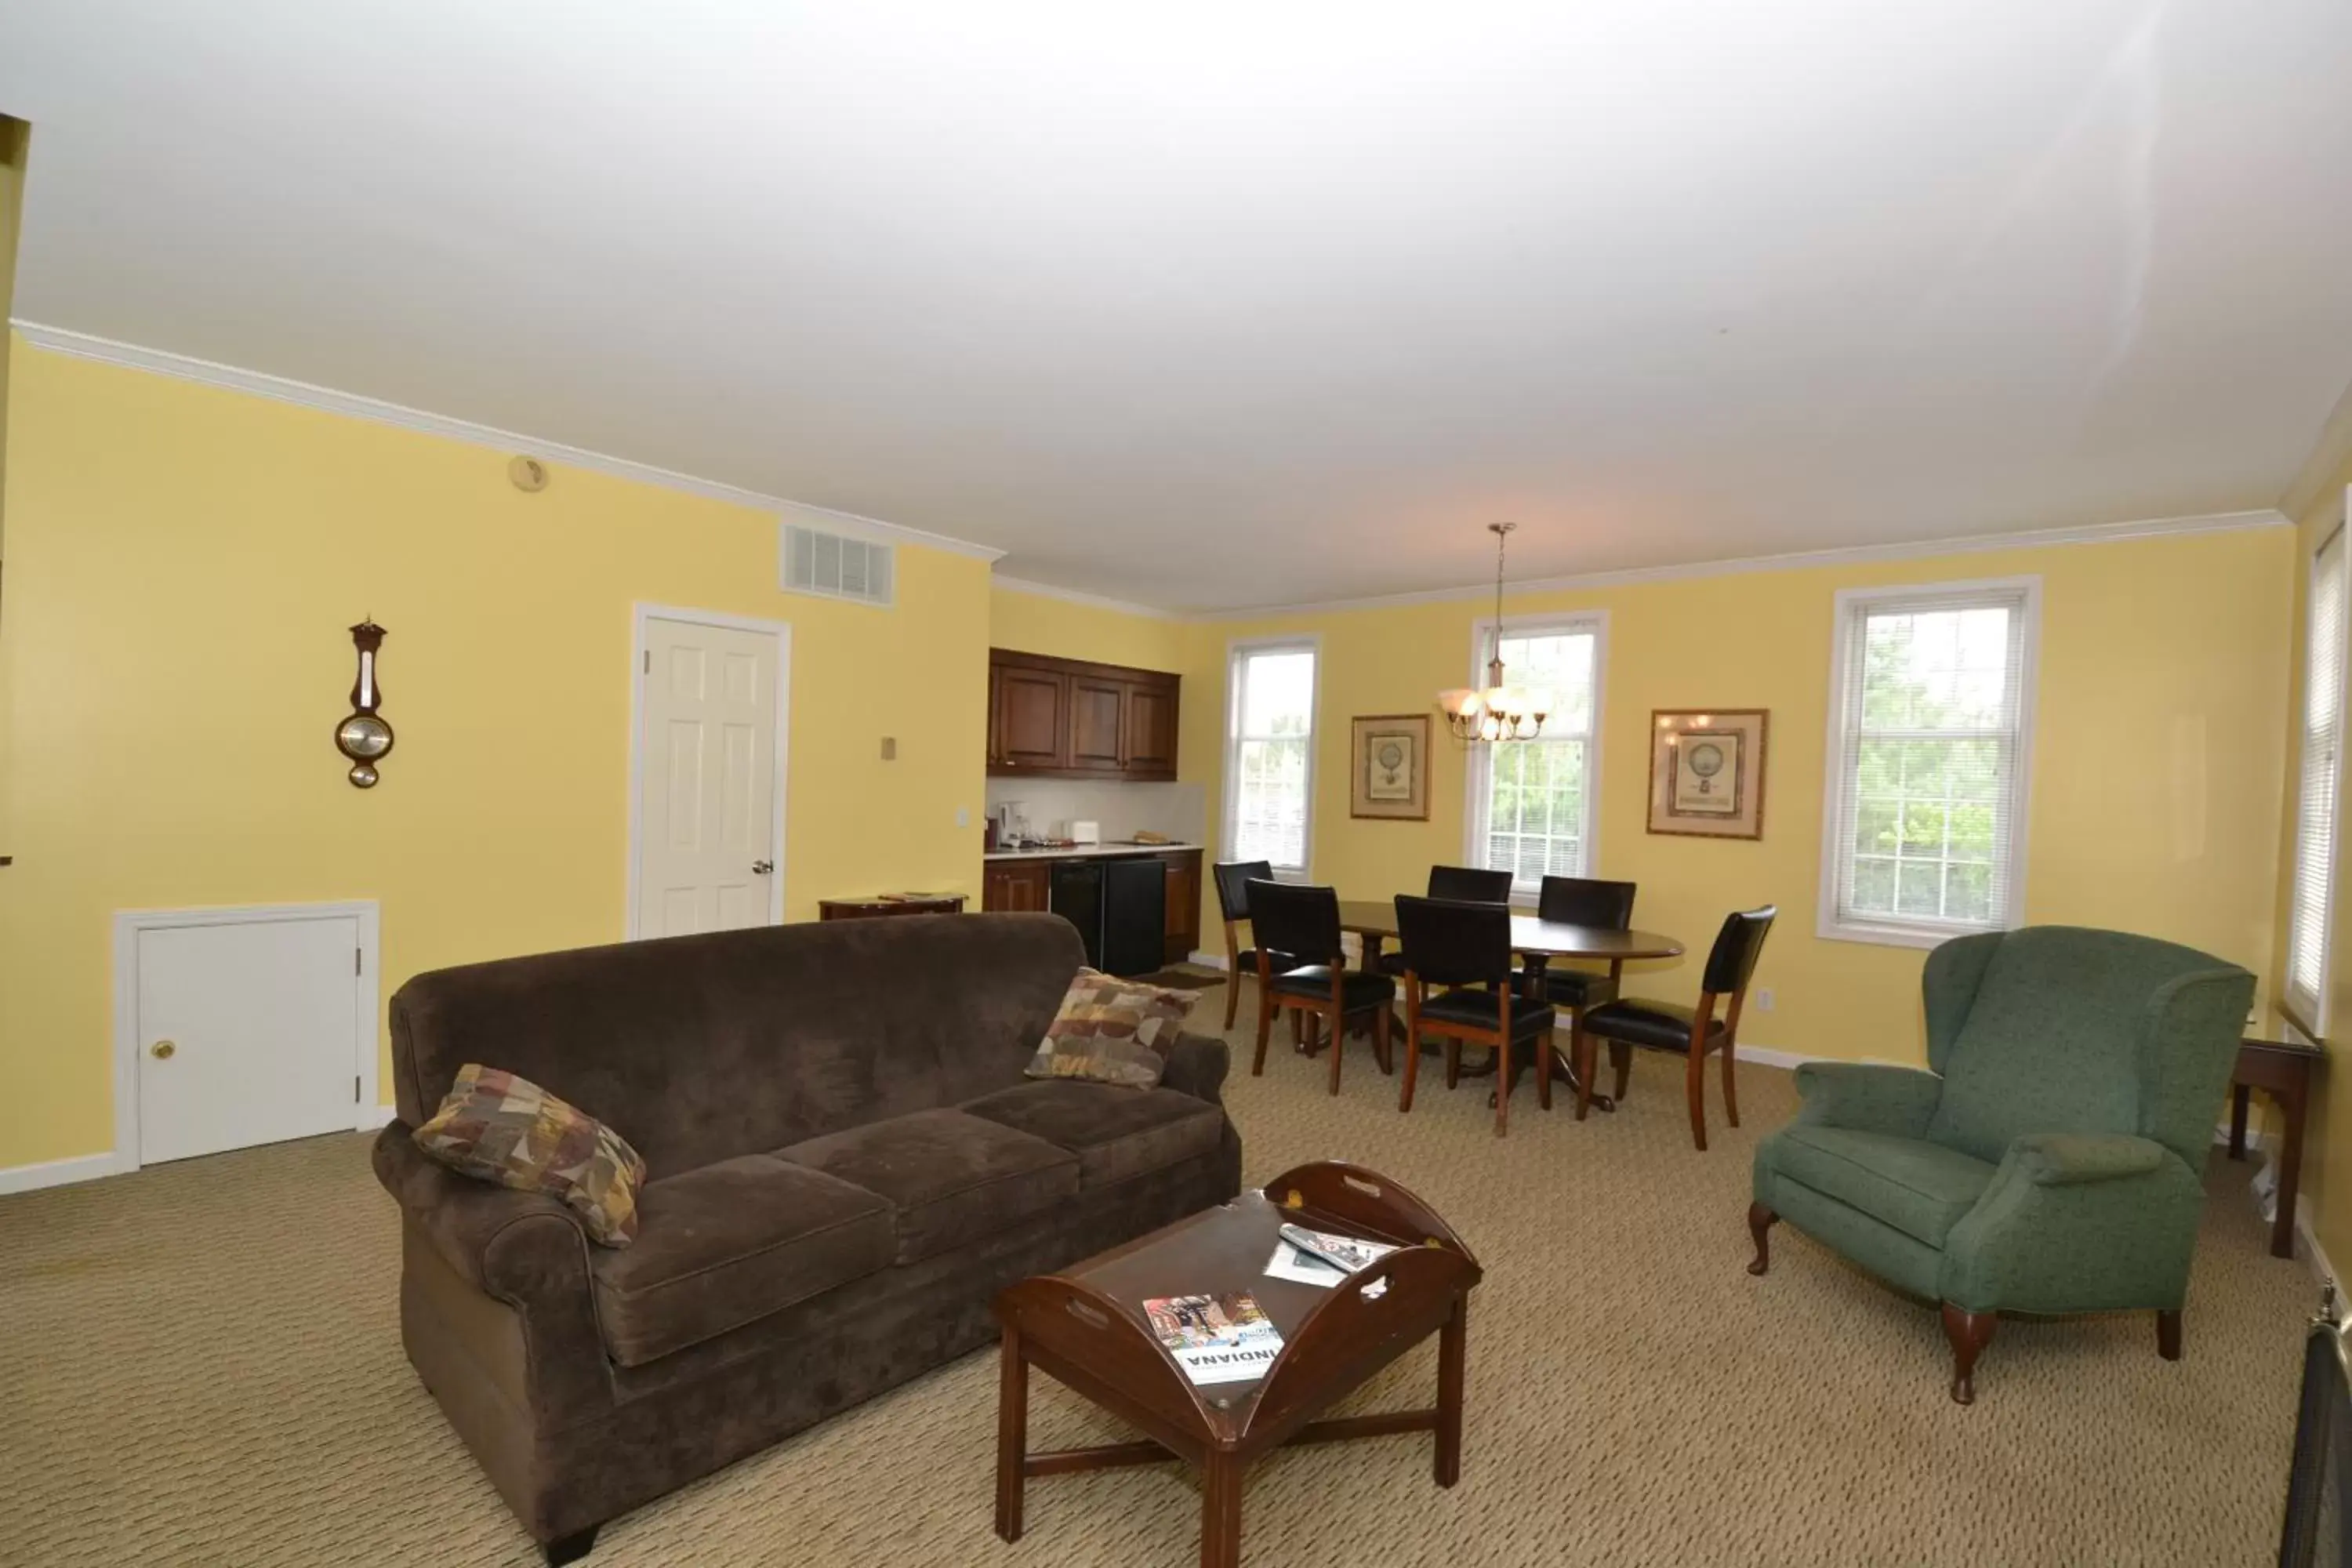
pixel 1621 1060
pixel 1969 1333
pixel 1760 1221
pixel 1695 1090
pixel 2167 1334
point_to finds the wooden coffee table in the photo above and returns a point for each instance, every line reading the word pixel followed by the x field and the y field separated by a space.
pixel 1087 1327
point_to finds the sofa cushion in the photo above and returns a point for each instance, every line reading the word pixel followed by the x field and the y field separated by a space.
pixel 949 1178
pixel 1116 1133
pixel 1920 1188
pixel 500 1128
pixel 727 1243
pixel 1113 1031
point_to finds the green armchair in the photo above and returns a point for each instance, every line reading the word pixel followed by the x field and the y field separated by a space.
pixel 2050 1159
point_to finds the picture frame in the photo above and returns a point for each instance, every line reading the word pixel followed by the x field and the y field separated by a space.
pixel 1707 771
pixel 1388 775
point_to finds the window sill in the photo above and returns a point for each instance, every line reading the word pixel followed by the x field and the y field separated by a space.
pixel 1895 935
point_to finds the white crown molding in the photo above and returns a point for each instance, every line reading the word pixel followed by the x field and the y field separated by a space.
pixel 1851 554
pixel 184 368
pixel 1092 600
pixel 2326 459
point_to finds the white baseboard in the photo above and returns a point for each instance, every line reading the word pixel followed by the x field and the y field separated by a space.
pixel 1210 960
pixel 382 1116
pixel 1765 1056
pixel 2321 1268
pixel 62 1173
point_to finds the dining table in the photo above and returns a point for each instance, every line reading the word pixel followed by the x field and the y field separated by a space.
pixel 1537 942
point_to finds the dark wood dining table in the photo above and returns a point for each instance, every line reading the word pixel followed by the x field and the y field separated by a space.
pixel 1535 940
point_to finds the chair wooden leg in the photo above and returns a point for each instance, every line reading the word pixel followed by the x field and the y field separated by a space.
pixel 1621 1059
pixel 1453 1061
pixel 2167 1334
pixel 1232 997
pixel 1759 1225
pixel 1579 1053
pixel 1503 1086
pixel 1730 1087
pixel 1298 1029
pixel 1380 1040
pixel 1265 1028
pixel 1544 1054
pixel 1695 1090
pixel 1969 1333
pixel 1338 1034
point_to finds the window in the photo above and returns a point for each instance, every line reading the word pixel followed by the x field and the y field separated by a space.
pixel 1931 722
pixel 1531 803
pixel 2312 912
pixel 1270 753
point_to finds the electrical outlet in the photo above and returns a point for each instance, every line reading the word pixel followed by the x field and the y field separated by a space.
pixel 890 748
pixel 1764 998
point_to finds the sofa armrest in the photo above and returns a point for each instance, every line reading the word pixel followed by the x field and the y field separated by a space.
pixel 1867 1097
pixel 519 1248
pixel 1197 1066
pixel 2071 1158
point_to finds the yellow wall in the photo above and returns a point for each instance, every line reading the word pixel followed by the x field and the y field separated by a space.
pixel 2155 802
pixel 183 562
pixel 1040 623
pixel 2326 1175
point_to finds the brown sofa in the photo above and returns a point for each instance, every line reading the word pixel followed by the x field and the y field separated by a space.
pixel 846 1166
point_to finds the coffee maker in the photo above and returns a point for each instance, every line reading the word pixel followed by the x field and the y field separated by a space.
pixel 1012 825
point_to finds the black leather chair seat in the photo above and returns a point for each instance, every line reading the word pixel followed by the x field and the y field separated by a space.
pixel 1663 1024
pixel 1530 1020
pixel 1357 988
pixel 1578 988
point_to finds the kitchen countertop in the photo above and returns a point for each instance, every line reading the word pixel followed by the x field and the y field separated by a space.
pixel 1089 851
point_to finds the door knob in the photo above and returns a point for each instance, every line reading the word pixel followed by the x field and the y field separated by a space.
pixel 161 1050
pixel 762 867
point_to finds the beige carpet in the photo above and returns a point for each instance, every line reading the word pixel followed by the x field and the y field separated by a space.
pixel 199 1364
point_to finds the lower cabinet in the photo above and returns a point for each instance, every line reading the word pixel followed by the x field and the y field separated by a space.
pixel 1019 887
pixel 1184 904
pixel 1016 887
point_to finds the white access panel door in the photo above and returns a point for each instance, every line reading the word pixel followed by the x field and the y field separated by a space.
pixel 248 1034
pixel 706 779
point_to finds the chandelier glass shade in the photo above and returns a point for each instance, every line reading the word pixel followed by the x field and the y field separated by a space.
pixel 1498 711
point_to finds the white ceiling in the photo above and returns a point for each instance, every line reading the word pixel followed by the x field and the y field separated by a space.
pixel 1213 304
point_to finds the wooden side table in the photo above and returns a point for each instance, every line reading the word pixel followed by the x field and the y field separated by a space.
pixel 890 904
pixel 2278 1058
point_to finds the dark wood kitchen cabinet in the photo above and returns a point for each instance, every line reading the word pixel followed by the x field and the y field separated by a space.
pixel 1014 887
pixel 1062 717
pixel 1183 903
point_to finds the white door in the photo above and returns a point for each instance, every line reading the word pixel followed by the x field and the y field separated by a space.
pixel 248 1034
pixel 706 778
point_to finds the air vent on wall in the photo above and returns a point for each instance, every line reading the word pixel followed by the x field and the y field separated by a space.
pixel 837 566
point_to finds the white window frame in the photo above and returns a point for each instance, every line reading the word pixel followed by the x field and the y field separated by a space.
pixel 1913 932
pixel 2311 1011
pixel 1477 784
pixel 1235 652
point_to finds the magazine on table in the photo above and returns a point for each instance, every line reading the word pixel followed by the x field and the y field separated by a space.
pixel 1216 1339
pixel 1320 1257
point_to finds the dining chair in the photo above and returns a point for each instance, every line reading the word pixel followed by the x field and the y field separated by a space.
pixel 1232 878
pixel 1670 1026
pixel 1584 901
pixel 1301 924
pixel 1457 884
pixel 1467 946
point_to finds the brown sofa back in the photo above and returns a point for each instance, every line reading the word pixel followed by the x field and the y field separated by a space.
pixel 698 1048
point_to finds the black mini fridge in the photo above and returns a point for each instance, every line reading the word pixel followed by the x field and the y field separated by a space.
pixel 1120 908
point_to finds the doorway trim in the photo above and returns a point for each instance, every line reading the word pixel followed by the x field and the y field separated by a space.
pixel 783 632
pixel 366 1114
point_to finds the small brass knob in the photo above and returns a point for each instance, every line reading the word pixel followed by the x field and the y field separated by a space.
pixel 161 1050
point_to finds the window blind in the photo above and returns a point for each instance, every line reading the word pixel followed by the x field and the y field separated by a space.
pixel 1930 793
pixel 2316 806
pixel 1270 752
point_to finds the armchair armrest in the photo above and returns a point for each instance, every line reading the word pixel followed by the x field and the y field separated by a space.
pixel 1867 1097
pixel 2071 1159
pixel 1197 1066
pixel 521 1248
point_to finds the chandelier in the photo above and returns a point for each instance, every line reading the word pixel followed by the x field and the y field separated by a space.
pixel 1497 710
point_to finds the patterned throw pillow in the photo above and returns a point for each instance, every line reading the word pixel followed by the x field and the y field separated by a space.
pixel 507 1129
pixel 1113 1031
